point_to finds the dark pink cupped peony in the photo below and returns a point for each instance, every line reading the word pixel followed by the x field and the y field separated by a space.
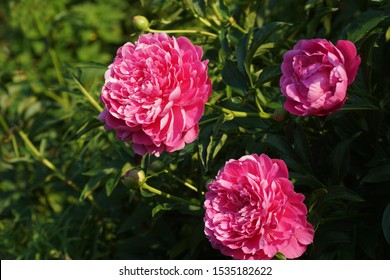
pixel 316 75
pixel 253 212
pixel 154 93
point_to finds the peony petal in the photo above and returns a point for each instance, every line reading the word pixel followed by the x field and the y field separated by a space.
pixel 315 76
pixel 191 134
pixel 294 249
pixel 253 212
pixel 352 60
pixel 148 89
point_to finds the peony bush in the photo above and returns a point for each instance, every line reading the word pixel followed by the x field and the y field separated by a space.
pixel 249 130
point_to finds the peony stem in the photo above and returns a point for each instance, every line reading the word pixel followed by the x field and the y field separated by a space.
pixel 209 120
pixel 184 31
pixel 87 95
pixel 52 167
pixel 280 256
pixel 167 195
pixel 44 160
pixel 234 24
pixel 9 133
pixel 232 114
pixel 188 185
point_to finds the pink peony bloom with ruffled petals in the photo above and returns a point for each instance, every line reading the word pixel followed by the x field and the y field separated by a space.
pixel 154 93
pixel 316 75
pixel 253 212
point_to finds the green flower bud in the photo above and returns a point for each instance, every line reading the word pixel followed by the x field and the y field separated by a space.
pixel 280 114
pixel 140 23
pixel 134 178
pixel 157 166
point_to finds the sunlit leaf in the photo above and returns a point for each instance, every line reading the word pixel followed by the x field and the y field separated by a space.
pixel 364 25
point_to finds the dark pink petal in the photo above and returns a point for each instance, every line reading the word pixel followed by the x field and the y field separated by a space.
pixel 352 59
pixel 148 89
pixel 253 212
pixel 315 76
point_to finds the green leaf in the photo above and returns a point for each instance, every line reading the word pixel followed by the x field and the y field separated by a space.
pixel 264 48
pixel 233 77
pixel 161 207
pixel 99 170
pixel 241 53
pixel 340 160
pixel 386 223
pixel 301 146
pixel 112 182
pixel 388 34
pixel 364 25
pixel 145 193
pixel 268 73
pixel 92 184
pixel 199 7
pixel 261 35
pixel 222 9
pixel 290 157
pixel 342 193
pixel 378 174
pixel 94 123
pixel 93 65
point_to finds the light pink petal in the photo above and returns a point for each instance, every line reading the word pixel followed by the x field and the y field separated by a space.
pixel 294 249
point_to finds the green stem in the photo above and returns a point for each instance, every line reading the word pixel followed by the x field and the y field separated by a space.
pixel 360 109
pixel 56 64
pixel 4 124
pixel 216 11
pixel 87 95
pixel 167 195
pixel 237 114
pixel 9 131
pixel 239 28
pixel 188 185
pixel 36 153
pixel 209 120
pixel 184 31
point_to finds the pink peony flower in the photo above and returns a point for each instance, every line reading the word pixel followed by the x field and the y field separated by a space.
pixel 154 92
pixel 316 75
pixel 253 212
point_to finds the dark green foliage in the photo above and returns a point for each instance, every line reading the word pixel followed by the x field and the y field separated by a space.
pixel 61 190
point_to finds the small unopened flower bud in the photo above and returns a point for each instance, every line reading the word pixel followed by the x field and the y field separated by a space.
pixel 134 178
pixel 157 166
pixel 280 114
pixel 140 23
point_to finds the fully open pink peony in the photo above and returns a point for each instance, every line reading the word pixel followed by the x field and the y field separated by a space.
pixel 154 92
pixel 253 212
pixel 316 75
